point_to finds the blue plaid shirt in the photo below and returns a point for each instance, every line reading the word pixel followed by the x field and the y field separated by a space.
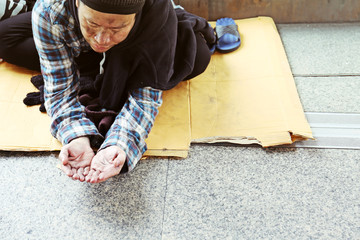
pixel 58 43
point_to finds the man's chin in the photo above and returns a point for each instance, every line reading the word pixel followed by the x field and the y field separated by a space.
pixel 100 49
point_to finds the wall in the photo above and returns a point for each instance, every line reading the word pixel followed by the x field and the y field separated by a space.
pixel 282 11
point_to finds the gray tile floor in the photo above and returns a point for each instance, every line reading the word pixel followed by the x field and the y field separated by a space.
pixel 219 192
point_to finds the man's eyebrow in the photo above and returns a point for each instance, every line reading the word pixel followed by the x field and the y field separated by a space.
pixel 91 22
pixel 123 25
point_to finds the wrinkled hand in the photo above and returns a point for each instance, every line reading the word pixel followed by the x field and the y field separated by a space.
pixel 76 158
pixel 106 164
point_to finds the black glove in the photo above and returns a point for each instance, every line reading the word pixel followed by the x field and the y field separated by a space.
pixel 36 98
pixel 37 81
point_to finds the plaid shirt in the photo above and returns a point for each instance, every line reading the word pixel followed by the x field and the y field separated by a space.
pixel 58 42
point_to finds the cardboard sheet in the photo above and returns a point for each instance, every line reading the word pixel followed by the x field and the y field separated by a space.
pixel 247 96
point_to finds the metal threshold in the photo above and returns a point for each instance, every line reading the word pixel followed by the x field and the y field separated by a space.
pixel 333 130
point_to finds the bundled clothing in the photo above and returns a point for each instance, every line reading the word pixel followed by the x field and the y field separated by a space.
pixel 10 8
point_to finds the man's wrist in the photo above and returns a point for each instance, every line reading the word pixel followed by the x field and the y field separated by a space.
pixel 83 141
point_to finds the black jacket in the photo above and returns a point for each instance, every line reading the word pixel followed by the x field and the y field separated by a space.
pixel 159 52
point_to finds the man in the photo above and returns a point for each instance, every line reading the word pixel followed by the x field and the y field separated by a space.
pixel 136 49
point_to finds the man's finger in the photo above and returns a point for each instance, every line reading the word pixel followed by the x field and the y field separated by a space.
pixel 119 160
pixel 81 177
pixel 67 170
pixel 80 172
pixel 108 173
pixel 64 155
pixel 76 176
pixel 95 177
pixel 104 176
pixel 89 175
pixel 86 171
pixel 73 170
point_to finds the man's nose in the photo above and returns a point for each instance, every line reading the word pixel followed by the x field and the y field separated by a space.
pixel 102 37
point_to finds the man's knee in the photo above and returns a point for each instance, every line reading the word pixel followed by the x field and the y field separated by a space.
pixel 202 58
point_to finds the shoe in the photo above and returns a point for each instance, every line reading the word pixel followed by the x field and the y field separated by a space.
pixel 227 33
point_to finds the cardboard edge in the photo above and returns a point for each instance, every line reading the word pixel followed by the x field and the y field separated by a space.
pixel 241 140
pixel 172 153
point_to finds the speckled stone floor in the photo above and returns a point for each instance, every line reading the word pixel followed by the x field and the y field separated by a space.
pixel 218 192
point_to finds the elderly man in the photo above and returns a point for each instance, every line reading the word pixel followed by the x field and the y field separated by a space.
pixel 135 48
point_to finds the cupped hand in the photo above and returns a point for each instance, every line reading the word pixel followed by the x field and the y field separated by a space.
pixel 75 157
pixel 106 164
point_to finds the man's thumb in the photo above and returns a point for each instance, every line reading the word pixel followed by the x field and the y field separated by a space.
pixel 64 156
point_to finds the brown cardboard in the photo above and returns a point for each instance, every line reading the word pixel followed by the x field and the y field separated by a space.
pixel 247 96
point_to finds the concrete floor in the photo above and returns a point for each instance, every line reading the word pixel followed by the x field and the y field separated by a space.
pixel 218 192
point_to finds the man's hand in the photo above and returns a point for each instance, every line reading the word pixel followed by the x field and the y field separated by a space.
pixel 106 164
pixel 76 157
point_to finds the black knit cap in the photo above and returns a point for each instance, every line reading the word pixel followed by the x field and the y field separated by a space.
pixel 115 6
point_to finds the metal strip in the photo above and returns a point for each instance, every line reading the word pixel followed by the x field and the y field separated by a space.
pixel 333 130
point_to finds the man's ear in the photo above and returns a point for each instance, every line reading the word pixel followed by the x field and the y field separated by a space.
pixel 77 3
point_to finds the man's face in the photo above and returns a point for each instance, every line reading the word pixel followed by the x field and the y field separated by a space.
pixel 103 30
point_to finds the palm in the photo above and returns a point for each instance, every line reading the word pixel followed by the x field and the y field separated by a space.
pixel 80 158
pixel 106 163
pixel 103 164
pixel 77 154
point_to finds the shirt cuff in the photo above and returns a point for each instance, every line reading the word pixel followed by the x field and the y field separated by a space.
pixel 79 128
